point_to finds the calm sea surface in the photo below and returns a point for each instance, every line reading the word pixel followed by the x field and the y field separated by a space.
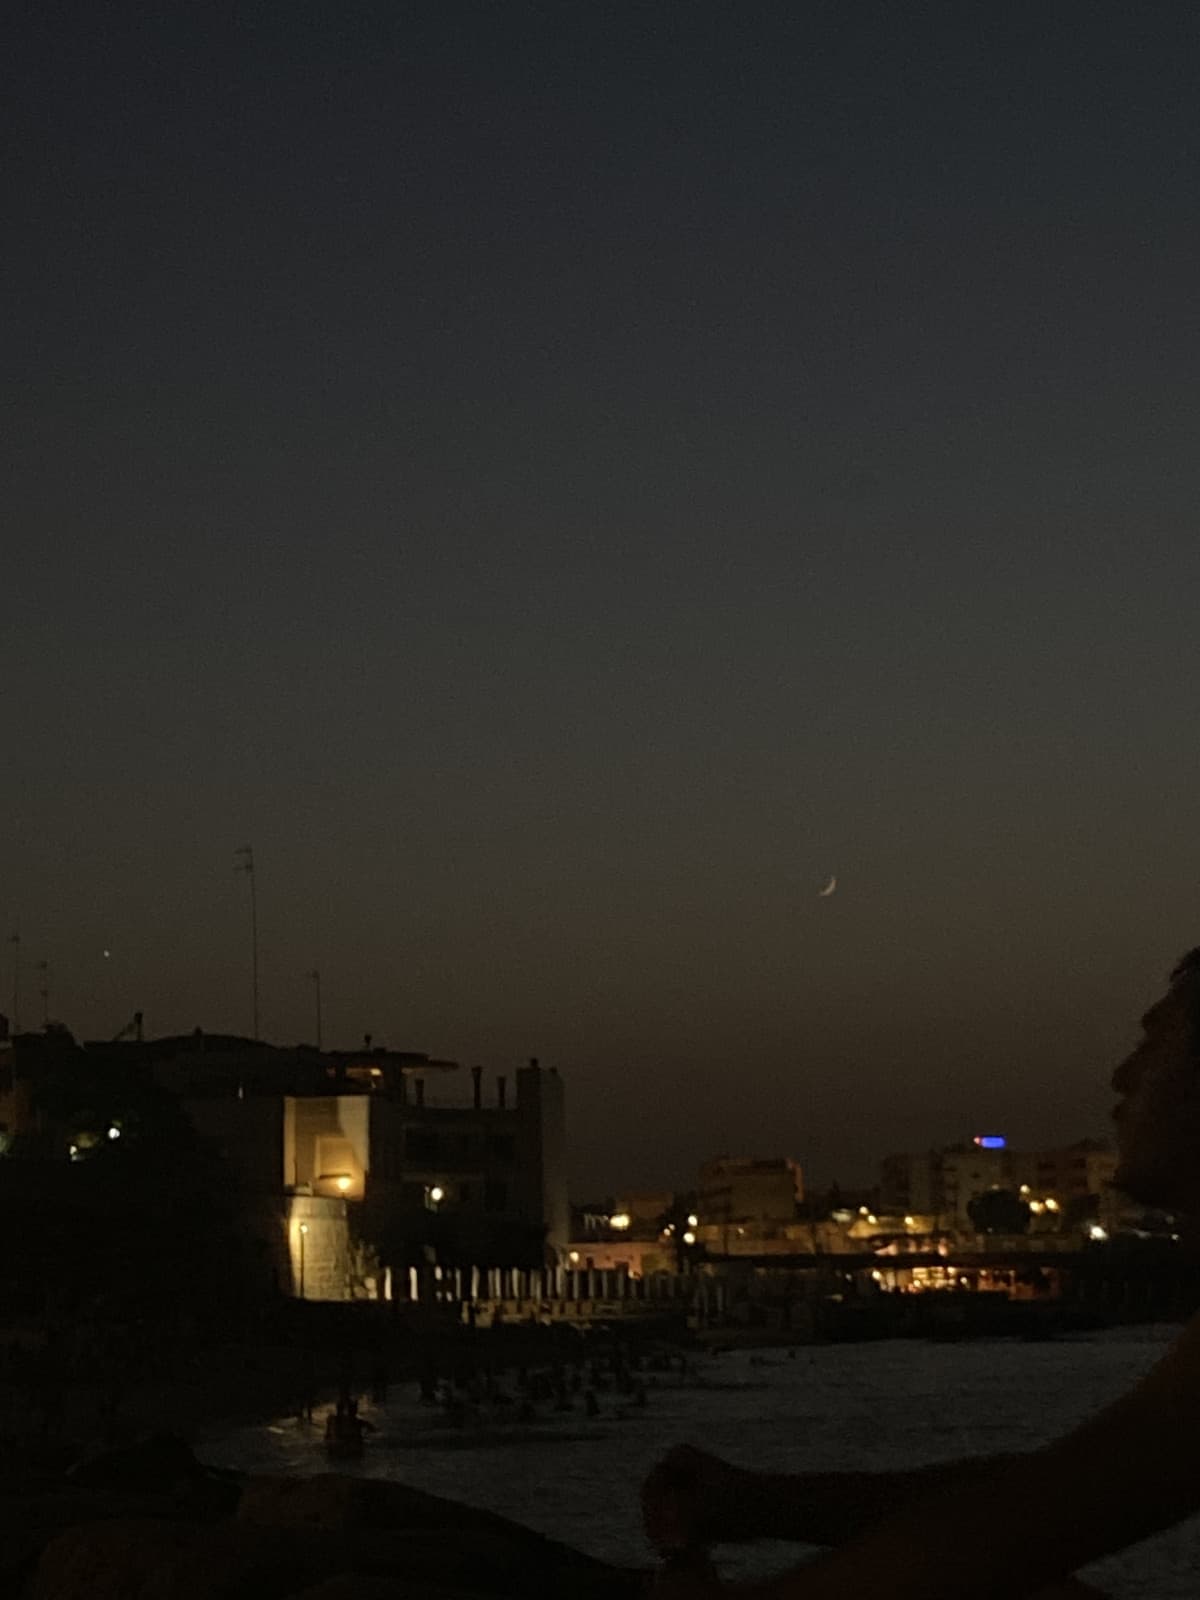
pixel 885 1405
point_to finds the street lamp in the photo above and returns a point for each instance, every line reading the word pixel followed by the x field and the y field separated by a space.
pixel 303 1236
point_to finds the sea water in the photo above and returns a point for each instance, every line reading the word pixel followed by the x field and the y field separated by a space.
pixel 856 1407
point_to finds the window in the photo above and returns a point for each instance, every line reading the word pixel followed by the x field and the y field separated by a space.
pixel 420 1145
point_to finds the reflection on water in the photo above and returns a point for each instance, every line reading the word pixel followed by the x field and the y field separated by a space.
pixel 882 1405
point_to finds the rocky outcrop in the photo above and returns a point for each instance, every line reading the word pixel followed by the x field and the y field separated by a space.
pixel 329 1537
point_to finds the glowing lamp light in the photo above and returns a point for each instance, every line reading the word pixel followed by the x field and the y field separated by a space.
pixel 991 1141
pixel 574 1255
pixel 910 1222
pixel 1051 1204
pixel 689 1237
pixel 693 1220
pixel 114 1132
pixel 620 1221
pixel 1097 1233
pixel 437 1194
pixel 304 1227
pixel 343 1181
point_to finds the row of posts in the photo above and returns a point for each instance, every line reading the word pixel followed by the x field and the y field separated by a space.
pixel 483 1284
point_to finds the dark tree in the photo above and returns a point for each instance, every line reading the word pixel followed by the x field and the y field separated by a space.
pixel 999 1211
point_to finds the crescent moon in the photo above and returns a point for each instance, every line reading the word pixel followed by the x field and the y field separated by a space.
pixel 828 889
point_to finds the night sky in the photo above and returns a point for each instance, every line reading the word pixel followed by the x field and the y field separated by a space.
pixel 561 481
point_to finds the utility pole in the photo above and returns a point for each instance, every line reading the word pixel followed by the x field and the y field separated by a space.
pixel 15 941
pixel 244 862
pixel 44 969
pixel 315 975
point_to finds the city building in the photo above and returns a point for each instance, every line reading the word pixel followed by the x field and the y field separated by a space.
pixel 1063 1187
pixel 637 1233
pixel 348 1166
pixel 748 1199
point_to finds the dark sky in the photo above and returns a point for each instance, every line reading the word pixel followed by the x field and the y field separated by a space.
pixel 561 481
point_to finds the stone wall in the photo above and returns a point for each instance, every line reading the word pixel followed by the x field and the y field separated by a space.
pixel 320 1254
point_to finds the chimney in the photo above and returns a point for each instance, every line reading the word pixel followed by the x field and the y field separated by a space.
pixel 501 1091
pixel 419 1086
pixel 367 1041
pixel 533 1061
pixel 137 1023
pixel 477 1086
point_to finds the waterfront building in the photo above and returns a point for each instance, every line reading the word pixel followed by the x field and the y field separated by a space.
pixel 1064 1187
pixel 744 1199
pixel 347 1167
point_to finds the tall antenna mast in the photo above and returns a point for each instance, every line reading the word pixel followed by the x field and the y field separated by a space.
pixel 244 862
pixel 44 969
pixel 15 941
pixel 315 975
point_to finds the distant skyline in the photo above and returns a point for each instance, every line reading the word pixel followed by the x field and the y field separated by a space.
pixel 562 485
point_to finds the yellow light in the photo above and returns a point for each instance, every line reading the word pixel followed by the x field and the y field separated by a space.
pixel 574 1255
pixel 1025 1188
pixel 871 1217
pixel 437 1194
pixel 621 1221
pixel 910 1222
pixel 1051 1203
pixel 343 1182
pixel 693 1220
pixel 689 1237
pixel 304 1227
pixel 1036 1207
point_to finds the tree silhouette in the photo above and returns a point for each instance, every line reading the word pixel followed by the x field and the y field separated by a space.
pixel 999 1211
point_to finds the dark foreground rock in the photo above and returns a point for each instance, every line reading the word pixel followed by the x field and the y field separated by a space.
pixel 324 1538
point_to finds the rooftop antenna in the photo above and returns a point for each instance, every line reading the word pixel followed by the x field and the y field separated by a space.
pixel 244 862
pixel 315 977
pixel 15 941
pixel 44 969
